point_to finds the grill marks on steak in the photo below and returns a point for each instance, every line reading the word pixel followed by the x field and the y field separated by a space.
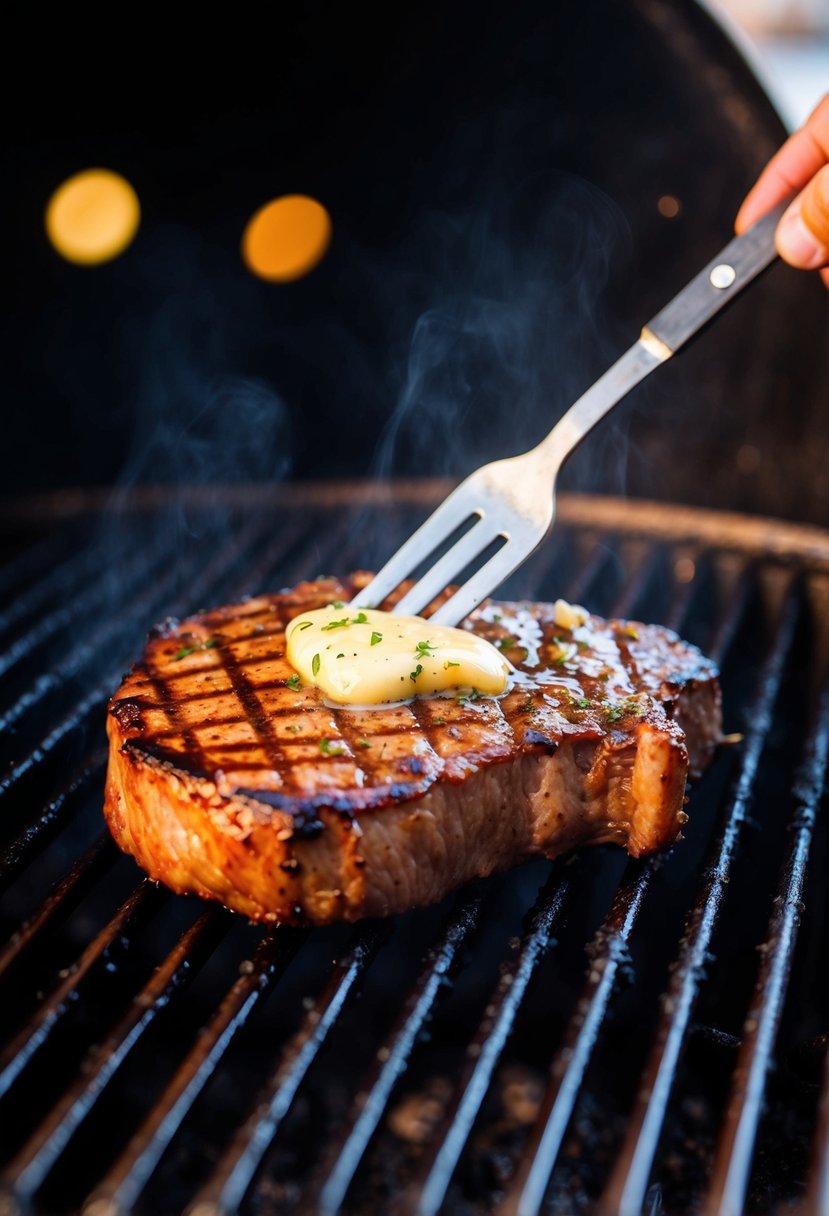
pixel 227 779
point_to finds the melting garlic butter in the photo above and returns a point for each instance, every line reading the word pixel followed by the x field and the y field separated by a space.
pixel 362 656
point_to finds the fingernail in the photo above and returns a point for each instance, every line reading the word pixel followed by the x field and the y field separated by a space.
pixel 797 244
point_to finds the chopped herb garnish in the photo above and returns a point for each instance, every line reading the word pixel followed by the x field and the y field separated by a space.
pixel 506 643
pixel 294 728
pixel 622 708
pixel 315 665
pixel 496 616
pixel 305 625
pixel 359 619
pixel 210 644
pixel 293 683
pixel 363 743
pixel 335 624
pixel 376 637
pixel 330 749
pixel 341 655
pixel 440 721
pixel 449 664
pixel 338 604
pixel 413 675
pixel 462 699
pixel 529 707
pixel 423 650
pixel 475 695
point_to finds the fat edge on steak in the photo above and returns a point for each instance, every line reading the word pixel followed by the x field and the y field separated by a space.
pixel 229 779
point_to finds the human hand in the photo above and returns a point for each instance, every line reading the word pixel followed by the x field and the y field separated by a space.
pixel 802 164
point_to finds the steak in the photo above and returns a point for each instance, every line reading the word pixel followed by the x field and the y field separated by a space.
pixel 231 779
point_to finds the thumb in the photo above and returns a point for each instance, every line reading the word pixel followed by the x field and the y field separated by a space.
pixel 802 236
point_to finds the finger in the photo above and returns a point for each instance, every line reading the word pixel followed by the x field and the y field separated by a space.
pixel 790 168
pixel 802 236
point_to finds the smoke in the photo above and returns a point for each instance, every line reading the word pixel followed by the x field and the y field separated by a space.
pixel 519 320
pixel 197 425
pixel 520 325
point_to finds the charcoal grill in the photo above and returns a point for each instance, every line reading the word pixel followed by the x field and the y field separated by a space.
pixel 593 1035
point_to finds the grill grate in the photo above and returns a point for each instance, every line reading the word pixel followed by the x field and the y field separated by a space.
pixel 593 1035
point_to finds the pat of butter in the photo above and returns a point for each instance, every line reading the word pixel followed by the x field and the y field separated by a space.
pixel 366 657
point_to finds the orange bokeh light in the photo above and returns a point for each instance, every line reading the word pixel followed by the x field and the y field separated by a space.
pixel 286 238
pixel 92 217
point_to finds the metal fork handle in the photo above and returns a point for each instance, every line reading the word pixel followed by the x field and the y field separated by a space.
pixel 724 277
pixel 727 274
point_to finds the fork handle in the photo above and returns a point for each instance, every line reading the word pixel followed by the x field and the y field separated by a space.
pixel 727 274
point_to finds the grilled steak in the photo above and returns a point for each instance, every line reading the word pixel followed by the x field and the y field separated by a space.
pixel 230 779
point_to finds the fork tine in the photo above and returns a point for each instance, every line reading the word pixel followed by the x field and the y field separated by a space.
pixel 450 566
pixel 443 521
pixel 479 586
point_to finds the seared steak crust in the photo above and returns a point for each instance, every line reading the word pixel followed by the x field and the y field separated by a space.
pixel 230 779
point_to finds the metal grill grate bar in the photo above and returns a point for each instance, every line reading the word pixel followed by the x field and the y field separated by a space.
pixel 644 570
pixel 85 602
pixel 125 1181
pixel 393 1057
pixel 33 1162
pixel 427 1194
pixel 22 1049
pixel 65 895
pixel 816 1202
pixel 735 1150
pixel 33 562
pixel 234 1174
pixel 61 580
pixel 628 1185
pixel 608 953
pixel 725 633
pixel 17 854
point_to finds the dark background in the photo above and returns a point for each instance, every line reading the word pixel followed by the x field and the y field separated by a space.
pixel 492 172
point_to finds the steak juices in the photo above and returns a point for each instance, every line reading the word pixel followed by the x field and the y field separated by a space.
pixel 233 777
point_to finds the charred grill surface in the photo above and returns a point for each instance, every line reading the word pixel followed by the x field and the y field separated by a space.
pixel 599 1035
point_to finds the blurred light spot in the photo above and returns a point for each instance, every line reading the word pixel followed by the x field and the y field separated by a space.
pixel 92 217
pixel 668 206
pixel 286 238
pixel 684 570
pixel 748 458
